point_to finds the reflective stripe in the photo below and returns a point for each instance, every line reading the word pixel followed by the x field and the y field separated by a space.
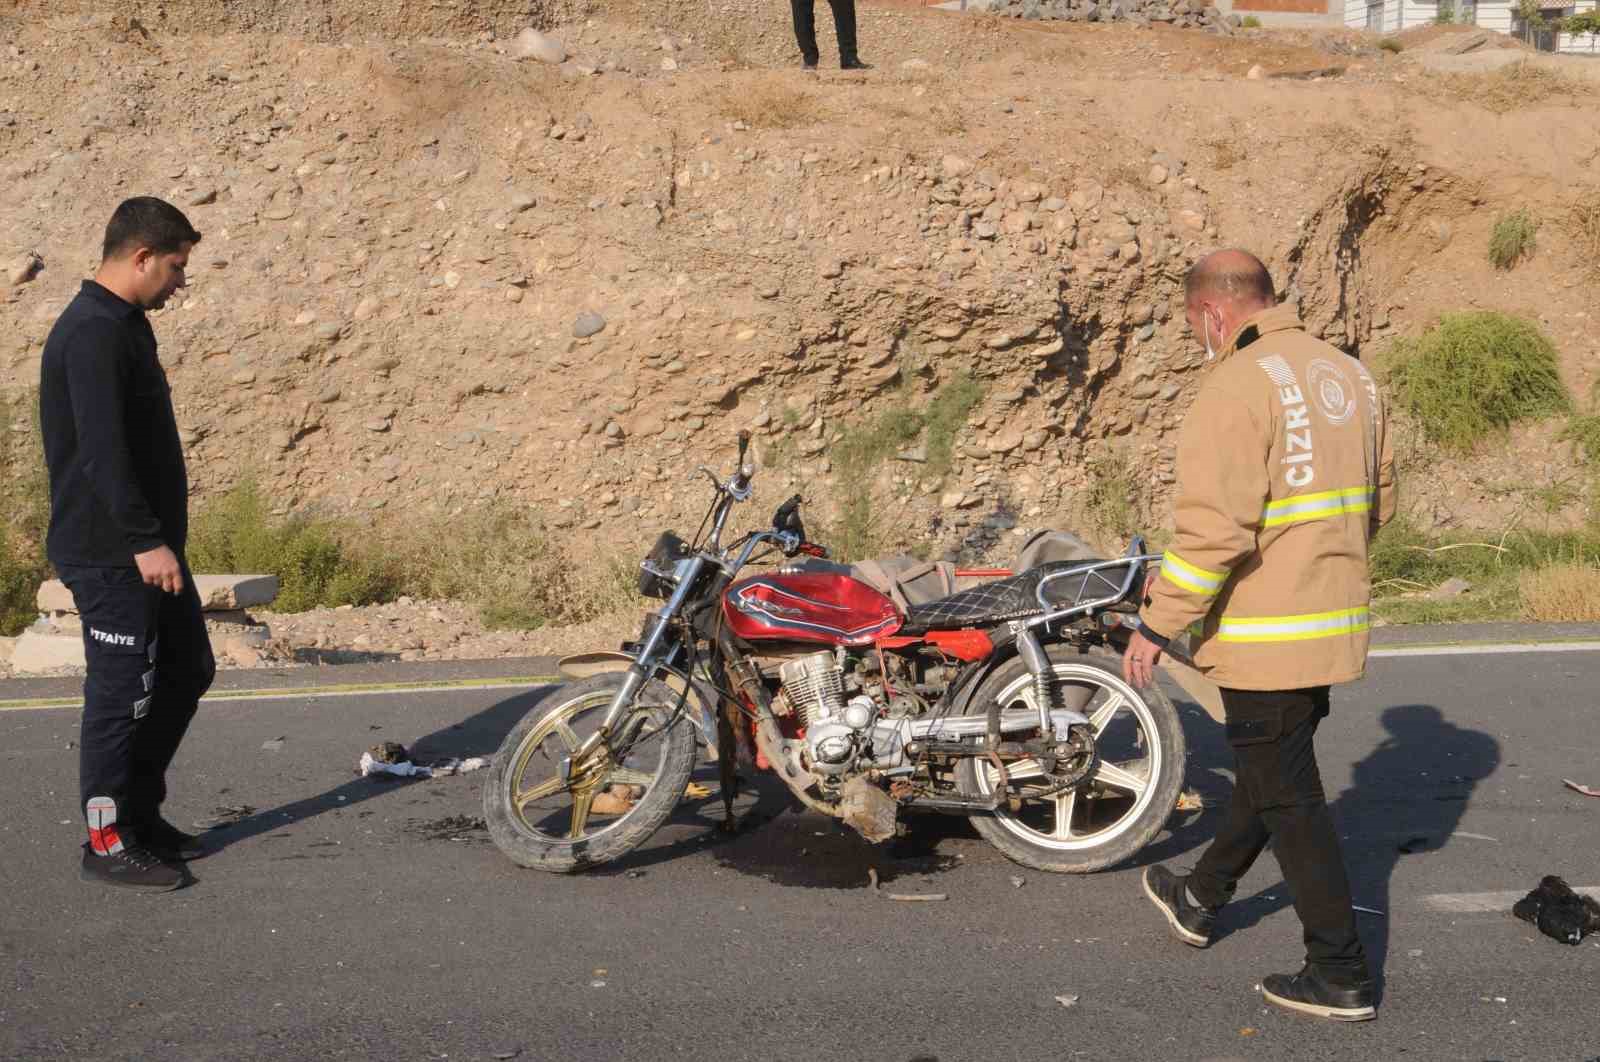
pixel 1293 628
pixel 1316 506
pixel 1185 575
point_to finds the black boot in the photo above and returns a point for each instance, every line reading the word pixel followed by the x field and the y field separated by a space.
pixel 853 63
pixel 1312 992
pixel 170 843
pixel 1189 922
pixel 133 867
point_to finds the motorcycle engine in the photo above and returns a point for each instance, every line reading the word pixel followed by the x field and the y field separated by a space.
pixel 834 727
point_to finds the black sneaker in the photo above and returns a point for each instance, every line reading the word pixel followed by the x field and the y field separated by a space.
pixel 170 843
pixel 1190 923
pixel 854 64
pixel 135 867
pixel 1310 992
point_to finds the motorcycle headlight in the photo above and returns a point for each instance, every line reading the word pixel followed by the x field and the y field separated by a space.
pixel 657 572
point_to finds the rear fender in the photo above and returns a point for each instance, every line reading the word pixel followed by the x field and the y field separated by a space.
pixel 702 697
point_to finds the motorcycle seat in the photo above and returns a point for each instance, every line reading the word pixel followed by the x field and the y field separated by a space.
pixel 1014 597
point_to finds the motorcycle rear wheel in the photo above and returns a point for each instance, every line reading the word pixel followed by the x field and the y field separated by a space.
pixel 524 774
pixel 1131 796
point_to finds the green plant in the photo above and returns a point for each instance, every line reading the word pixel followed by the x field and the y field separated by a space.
pixel 25 496
pixel 1110 502
pixel 1250 22
pixel 857 456
pixel 22 569
pixel 1513 239
pixel 1389 44
pixel 1406 564
pixel 1446 13
pixel 1474 375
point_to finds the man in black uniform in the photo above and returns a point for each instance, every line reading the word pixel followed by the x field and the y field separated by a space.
pixel 119 496
pixel 844 25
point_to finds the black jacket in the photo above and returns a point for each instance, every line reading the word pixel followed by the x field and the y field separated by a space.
pixel 118 483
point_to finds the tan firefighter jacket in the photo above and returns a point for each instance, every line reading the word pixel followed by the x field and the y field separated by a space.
pixel 1285 471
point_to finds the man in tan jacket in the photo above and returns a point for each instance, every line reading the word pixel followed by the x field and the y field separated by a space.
pixel 1285 471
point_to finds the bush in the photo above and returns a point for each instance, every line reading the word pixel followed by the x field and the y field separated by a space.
pixel 1251 22
pixel 236 533
pixel 1586 231
pixel 1389 44
pixel 22 569
pixel 1446 14
pixel 1109 503
pixel 1561 593
pixel 1474 375
pixel 1513 239
pixel 1500 567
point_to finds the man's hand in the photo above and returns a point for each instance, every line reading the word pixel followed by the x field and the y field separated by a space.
pixel 1138 663
pixel 160 569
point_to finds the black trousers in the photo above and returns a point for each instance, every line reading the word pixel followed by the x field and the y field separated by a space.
pixel 1278 795
pixel 149 662
pixel 844 24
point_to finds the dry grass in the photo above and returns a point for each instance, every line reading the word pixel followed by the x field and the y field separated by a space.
pixel 1225 154
pixel 770 106
pixel 1585 217
pixel 1515 86
pixel 1561 593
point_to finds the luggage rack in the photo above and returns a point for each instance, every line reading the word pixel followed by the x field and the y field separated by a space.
pixel 1096 579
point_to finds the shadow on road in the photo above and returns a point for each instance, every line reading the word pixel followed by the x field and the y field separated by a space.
pixel 1406 796
pixel 478 735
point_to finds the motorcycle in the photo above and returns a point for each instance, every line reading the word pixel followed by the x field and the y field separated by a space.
pixel 1003 702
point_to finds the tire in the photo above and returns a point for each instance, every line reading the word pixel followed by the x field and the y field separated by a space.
pixel 668 768
pixel 1090 677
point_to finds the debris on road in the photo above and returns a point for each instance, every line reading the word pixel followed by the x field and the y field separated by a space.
pixel 392 758
pixel 1558 912
pixel 1016 881
pixel 225 815
pixel 1585 790
pixel 1068 1000
pixel 273 745
pixel 921 897
pixel 1366 910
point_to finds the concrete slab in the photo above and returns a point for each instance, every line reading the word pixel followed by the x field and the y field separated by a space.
pixel 219 593
pixel 37 653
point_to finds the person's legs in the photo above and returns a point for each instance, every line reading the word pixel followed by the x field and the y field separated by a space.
pixel 805 30
pixel 184 667
pixel 119 616
pixel 844 24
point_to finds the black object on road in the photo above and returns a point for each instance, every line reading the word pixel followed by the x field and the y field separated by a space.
pixel 1560 913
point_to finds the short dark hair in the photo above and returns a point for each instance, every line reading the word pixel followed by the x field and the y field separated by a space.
pixel 145 221
pixel 1232 274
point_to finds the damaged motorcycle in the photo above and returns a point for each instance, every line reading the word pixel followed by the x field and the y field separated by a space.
pixel 1003 702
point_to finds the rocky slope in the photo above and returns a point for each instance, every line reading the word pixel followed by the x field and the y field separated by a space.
pixel 435 274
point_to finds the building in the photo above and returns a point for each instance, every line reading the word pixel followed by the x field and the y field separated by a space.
pixel 1392 16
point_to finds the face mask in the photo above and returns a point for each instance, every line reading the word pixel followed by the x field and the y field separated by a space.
pixel 1210 354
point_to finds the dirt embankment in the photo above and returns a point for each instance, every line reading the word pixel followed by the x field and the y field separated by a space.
pixel 405 240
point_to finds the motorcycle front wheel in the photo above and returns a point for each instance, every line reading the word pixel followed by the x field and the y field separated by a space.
pixel 1126 799
pixel 544 823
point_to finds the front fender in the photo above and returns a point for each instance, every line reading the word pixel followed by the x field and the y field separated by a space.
pixel 702 697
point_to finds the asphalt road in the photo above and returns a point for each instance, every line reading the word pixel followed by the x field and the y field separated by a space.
pixel 348 918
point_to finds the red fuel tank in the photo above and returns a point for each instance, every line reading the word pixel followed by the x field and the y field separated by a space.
pixel 809 607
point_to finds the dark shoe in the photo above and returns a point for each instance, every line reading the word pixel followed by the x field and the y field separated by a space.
pixel 134 867
pixel 1310 992
pixel 807 64
pixel 854 64
pixel 1190 923
pixel 170 843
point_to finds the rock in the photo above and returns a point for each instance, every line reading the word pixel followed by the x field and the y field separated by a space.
pixel 1157 176
pixel 376 424
pixel 531 44
pixel 223 592
pixel 203 198
pixel 1004 444
pixel 1140 313
pixel 1129 252
pixel 949 331
pixel 53 596
pixel 952 499
pixel 1450 588
pixel 917 455
pixel 1256 73
pixel 588 324
pixel 669 65
pixel 955 166
pixel 1016 223
pixel 523 202
pixel 832 269
pixel 24 269
pixel 985 230
pixel 1034 440
pixel 36 652
pixel 1192 219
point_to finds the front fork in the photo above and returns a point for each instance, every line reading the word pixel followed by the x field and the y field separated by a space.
pixel 656 646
